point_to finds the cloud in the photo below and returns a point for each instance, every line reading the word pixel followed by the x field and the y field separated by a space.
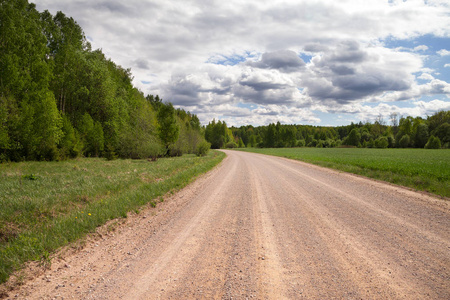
pixel 207 55
pixel 421 48
pixel 141 64
pixel 286 61
pixel 426 76
pixel 350 72
pixel 372 112
pixel 443 52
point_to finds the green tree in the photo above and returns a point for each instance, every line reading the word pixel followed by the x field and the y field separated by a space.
pixel 443 133
pixel 168 129
pixel 270 136
pixel 92 134
pixel 70 143
pixel 404 141
pixel 241 143
pixel 381 142
pixel 433 143
pixel 354 138
pixel 421 135
pixel 217 134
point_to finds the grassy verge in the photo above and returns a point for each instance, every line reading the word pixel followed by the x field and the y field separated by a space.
pixel 46 205
pixel 422 169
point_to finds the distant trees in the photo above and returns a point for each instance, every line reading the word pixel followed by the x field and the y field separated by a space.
pixel 404 132
pixel 168 129
pixel 218 134
pixel 60 99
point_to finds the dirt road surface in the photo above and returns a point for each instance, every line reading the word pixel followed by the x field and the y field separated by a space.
pixel 261 227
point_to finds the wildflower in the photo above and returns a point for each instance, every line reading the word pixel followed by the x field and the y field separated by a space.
pixel 89 214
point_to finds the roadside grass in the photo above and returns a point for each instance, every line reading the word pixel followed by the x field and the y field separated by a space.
pixel 47 205
pixel 422 169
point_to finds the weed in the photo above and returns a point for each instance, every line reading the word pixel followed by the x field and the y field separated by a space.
pixel 46 260
pixel 30 177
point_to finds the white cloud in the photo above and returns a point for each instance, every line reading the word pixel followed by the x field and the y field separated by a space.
pixel 208 55
pixel 443 52
pixel 421 48
pixel 447 66
pixel 426 76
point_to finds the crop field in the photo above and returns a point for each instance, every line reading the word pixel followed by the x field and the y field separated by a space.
pixel 46 205
pixel 421 169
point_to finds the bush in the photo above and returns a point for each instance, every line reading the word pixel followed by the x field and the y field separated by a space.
pixel 202 148
pixel 231 145
pixel 175 151
pixel 433 143
pixel 404 141
pixel 301 143
pixel 110 154
pixel 381 142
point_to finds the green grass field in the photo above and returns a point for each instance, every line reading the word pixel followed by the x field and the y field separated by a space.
pixel 46 205
pixel 421 169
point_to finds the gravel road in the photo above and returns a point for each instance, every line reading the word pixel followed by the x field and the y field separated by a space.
pixel 261 227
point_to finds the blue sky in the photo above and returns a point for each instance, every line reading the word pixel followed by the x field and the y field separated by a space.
pixel 321 62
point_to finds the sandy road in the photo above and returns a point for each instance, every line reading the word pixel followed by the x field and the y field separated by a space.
pixel 267 228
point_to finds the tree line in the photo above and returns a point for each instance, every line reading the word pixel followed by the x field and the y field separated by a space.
pixel 61 99
pixel 402 132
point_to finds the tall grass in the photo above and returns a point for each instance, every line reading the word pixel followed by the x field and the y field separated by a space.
pixel 421 169
pixel 46 205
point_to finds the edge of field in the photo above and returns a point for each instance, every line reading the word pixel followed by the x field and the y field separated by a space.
pixel 40 245
pixel 419 182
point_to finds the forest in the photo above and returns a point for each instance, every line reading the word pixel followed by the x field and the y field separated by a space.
pixel 402 132
pixel 61 99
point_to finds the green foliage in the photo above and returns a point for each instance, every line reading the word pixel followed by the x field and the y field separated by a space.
pixel 59 99
pixel 70 145
pixel 433 143
pixel 421 135
pixel 381 142
pixel 202 148
pixel 443 133
pixel 168 129
pixel 354 135
pixel 241 143
pixel 218 134
pixel 110 153
pixel 231 145
pixel 404 141
pixel 30 177
pixel 353 138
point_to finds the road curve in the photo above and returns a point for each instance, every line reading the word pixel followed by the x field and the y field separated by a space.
pixel 265 227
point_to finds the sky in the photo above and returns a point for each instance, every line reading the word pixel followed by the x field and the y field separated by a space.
pixel 255 62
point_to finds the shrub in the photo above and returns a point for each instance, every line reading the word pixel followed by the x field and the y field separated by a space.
pixel 404 141
pixel 433 143
pixel 381 142
pixel 301 143
pixel 202 148
pixel 231 145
